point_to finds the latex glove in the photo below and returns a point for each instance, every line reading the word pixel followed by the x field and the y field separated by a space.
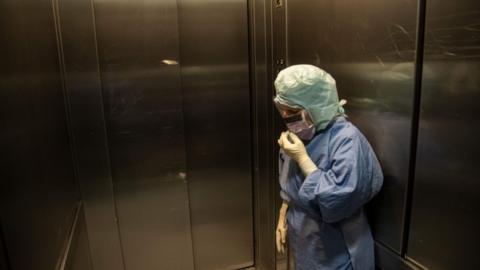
pixel 296 150
pixel 281 232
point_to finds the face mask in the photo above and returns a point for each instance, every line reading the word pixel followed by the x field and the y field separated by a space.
pixel 301 125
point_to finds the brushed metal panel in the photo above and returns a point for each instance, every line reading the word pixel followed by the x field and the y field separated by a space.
pixel 79 251
pixel 215 81
pixel 83 87
pixel 385 259
pixel 368 46
pixel 446 206
pixel 143 108
pixel 264 155
pixel 37 187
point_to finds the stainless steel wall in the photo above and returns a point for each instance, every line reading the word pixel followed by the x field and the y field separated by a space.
pixel 369 48
pixel 446 206
pixel 145 125
pixel 215 83
pixel 84 92
pixel 265 154
pixel 37 186
pixel 178 125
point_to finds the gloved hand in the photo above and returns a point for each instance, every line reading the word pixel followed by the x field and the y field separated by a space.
pixel 281 232
pixel 296 150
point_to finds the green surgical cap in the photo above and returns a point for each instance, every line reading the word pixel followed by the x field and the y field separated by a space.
pixel 311 88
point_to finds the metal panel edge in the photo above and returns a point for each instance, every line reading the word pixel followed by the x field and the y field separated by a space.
pixel 263 146
pixel 419 50
pixel 62 259
pixel 76 236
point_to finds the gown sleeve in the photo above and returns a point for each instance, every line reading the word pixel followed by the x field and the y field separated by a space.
pixel 283 169
pixel 342 189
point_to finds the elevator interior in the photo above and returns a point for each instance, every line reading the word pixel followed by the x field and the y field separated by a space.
pixel 140 135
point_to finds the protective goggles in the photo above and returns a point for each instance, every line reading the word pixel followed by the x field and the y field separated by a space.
pixel 291 113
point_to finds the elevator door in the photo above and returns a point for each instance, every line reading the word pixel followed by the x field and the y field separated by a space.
pixel 446 207
pixel 177 107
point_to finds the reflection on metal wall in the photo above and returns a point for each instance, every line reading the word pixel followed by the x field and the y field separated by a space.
pixel 37 186
pixel 143 108
pixel 214 60
pixel 368 47
pixel 446 206
pixel 167 126
pixel 83 88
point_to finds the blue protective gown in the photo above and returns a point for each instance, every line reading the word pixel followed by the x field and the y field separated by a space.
pixel 327 228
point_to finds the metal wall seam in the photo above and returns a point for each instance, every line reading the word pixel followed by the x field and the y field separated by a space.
pixel 419 50
pixel 80 83
pixel 260 30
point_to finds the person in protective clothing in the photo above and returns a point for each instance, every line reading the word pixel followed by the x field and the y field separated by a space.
pixel 328 171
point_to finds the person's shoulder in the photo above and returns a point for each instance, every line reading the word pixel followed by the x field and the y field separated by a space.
pixel 342 129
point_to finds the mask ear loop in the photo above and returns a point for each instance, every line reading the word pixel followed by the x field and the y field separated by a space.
pixel 307 117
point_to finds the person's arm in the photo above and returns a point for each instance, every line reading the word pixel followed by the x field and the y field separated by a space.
pixel 344 187
pixel 281 232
